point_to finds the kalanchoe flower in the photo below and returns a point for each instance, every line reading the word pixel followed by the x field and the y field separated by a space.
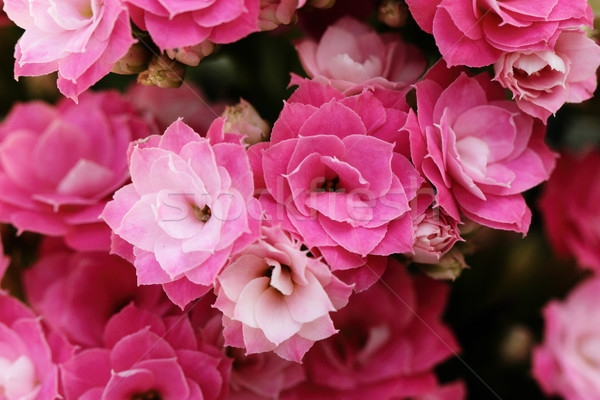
pixel 275 297
pixel 569 206
pixel 81 39
pixel 242 118
pixel 337 175
pixel 80 159
pixel 542 81
pixel 478 150
pixel 350 56
pixel 390 339
pixel 476 33
pixel 188 209
pixel 28 367
pixel 567 363
pixel 77 292
pixel 172 24
pixel 146 357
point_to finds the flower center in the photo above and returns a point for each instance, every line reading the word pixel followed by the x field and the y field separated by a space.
pixel 202 214
pixel 330 185
pixel 147 395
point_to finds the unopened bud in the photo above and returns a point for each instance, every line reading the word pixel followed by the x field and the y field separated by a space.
pixel 163 72
pixel 393 13
pixel 276 12
pixel 135 61
pixel 322 3
pixel 245 120
pixel 191 55
pixel 450 266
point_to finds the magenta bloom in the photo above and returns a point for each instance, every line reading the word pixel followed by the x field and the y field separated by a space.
pixel 146 357
pixel 275 297
pixel 336 174
pixel 80 159
pixel 173 23
pixel 77 293
pixel 476 33
pixel 435 234
pixel 567 363
pixel 82 39
pixel 542 81
pixel 478 150
pixel 188 209
pixel 27 368
pixel 569 206
pixel 387 346
pixel 350 56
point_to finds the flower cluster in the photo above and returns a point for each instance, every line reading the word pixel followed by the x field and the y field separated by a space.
pixel 192 252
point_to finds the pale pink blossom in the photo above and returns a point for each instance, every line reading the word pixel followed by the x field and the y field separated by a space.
pixel 569 206
pixel 350 56
pixel 146 357
pixel 478 150
pixel 188 209
pixel 28 367
pixel 337 175
pixel 476 33
pixel 275 297
pixel 77 292
pixel 59 165
pixel 391 338
pixel 173 23
pixel 542 81
pixel 567 363
pixel 81 39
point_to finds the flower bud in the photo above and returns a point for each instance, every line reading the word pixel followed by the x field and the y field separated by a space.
pixel 449 267
pixel 322 3
pixel 393 13
pixel 134 62
pixel 192 55
pixel 163 72
pixel 245 120
pixel 435 234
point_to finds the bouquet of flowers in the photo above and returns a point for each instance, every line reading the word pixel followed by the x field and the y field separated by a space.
pixel 299 199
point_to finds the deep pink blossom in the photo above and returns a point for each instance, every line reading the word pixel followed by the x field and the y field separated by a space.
pixel 82 39
pixel 275 297
pixel 477 32
pixel 542 81
pixel 350 56
pixel 567 363
pixel 391 338
pixel 336 174
pixel 28 355
pixel 478 150
pixel 77 293
pixel 58 165
pixel 144 356
pixel 569 206
pixel 173 23
pixel 188 209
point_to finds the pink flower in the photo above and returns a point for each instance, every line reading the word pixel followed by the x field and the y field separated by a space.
pixel 77 293
pixel 350 56
pixel 163 106
pixel 188 209
pixel 146 357
pixel 81 39
pixel 476 33
pixel 27 367
pixel 542 81
pixel 569 206
pixel 391 338
pixel 275 297
pixel 435 234
pixel 567 363
pixel 174 24
pixel 80 160
pixel 336 174
pixel 478 150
